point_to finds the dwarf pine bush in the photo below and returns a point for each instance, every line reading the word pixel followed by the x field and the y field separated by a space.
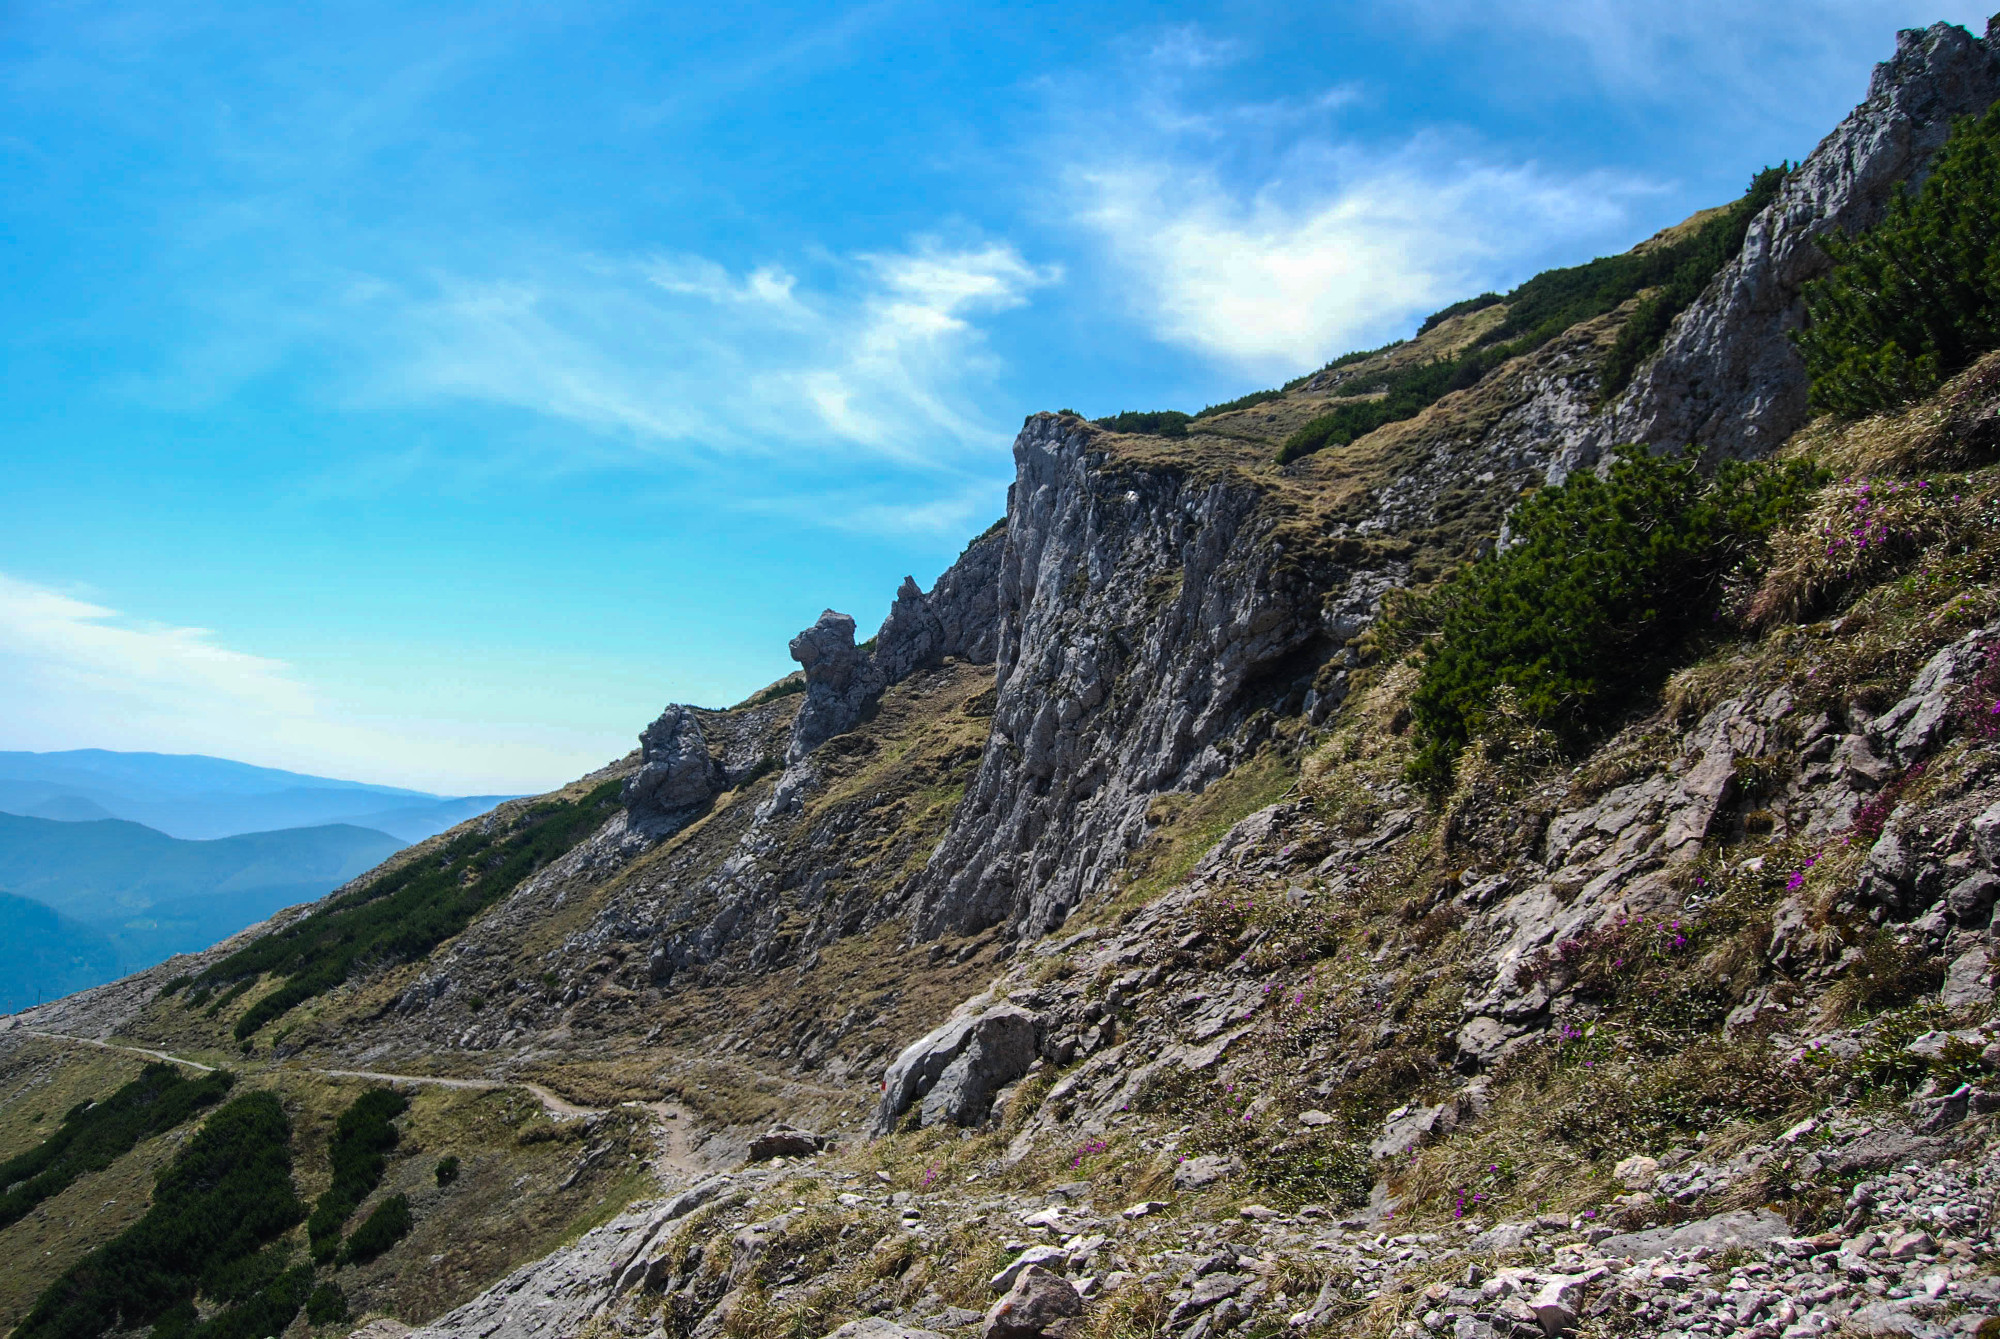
pixel 1595 600
pixel 1916 298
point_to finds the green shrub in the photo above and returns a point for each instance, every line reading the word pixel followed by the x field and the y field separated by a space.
pixel 264 1313
pixel 327 1304
pixel 447 1169
pixel 387 1225
pixel 1154 423
pixel 93 1135
pixel 1916 298
pixel 403 915
pixel 1594 601
pixel 225 1197
pixel 359 1150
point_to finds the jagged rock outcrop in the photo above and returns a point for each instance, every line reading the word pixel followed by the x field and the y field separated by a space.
pixel 1728 376
pixel 1138 606
pixel 960 616
pixel 677 775
pixel 841 682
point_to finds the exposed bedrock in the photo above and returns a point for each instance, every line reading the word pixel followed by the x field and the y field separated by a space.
pixel 1728 376
pixel 677 775
pixel 1139 606
pixel 841 682
pixel 958 618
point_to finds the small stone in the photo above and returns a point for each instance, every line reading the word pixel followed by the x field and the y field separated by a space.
pixel 1198 1173
pixel 1909 1245
pixel 1799 1131
pixel 1637 1172
pixel 1555 1304
pixel 1315 1118
pixel 1046 1257
pixel 1258 1213
pixel 1143 1208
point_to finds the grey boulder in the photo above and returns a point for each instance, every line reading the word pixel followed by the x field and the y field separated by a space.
pixel 786 1142
pixel 677 774
pixel 874 1327
pixel 957 1068
pixel 1037 1301
pixel 1749 1227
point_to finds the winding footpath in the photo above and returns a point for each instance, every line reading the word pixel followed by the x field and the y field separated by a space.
pixel 676 1150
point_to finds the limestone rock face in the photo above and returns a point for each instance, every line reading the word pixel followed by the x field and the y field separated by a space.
pixel 678 774
pixel 1728 376
pixel 959 617
pixel 1136 607
pixel 957 1067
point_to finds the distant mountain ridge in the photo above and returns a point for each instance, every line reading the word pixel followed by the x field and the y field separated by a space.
pixel 45 955
pixel 149 896
pixel 200 798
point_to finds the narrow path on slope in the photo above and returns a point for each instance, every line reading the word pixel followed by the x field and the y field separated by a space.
pixel 108 1046
pixel 676 1148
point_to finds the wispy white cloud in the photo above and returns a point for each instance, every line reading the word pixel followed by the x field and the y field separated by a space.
pixel 1275 277
pixel 673 354
pixel 77 673
pixel 56 646
pixel 1266 235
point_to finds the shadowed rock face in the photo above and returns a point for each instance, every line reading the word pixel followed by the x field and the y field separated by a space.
pixel 1137 604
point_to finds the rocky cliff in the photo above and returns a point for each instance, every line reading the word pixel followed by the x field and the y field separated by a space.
pixel 1146 612
pixel 1728 377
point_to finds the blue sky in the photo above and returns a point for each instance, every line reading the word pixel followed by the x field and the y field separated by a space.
pixel 428 394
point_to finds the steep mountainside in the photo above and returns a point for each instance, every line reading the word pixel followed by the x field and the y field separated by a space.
pixel 1080 956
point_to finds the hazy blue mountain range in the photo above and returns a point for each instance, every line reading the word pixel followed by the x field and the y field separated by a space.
pixel 119 896
pixel 199 798
pixel 44 955
pixel 151 895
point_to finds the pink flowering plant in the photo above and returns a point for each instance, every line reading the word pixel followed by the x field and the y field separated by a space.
pixel 1859 531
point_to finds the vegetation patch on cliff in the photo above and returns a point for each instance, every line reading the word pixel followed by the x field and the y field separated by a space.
pixel 1915 299
pixel 1593 601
